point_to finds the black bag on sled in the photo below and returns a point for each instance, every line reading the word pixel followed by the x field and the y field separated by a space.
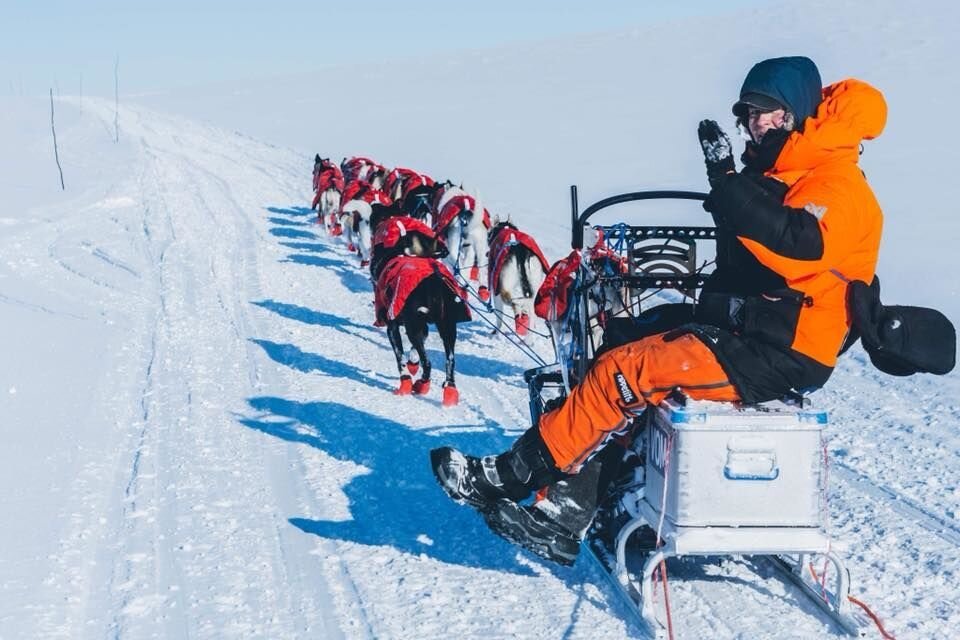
pixel 900 340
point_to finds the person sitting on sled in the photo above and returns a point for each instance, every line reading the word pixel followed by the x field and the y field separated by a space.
pixel 794 227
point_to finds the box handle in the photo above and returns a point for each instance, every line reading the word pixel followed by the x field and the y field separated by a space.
pixel 751 465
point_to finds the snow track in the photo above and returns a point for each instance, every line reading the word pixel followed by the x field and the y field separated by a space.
pixel 254 476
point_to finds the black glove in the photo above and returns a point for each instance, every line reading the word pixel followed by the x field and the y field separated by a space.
pixel 760 157
pixel 717 151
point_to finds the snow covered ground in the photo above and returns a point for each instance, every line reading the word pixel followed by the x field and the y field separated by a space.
pixel 199 434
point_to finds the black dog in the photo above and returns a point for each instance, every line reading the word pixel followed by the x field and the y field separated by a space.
pixel 406 266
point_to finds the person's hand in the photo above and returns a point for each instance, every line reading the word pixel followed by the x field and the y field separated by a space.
pixel 717 151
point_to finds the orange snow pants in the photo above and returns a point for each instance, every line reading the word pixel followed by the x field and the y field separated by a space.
pixel 618 387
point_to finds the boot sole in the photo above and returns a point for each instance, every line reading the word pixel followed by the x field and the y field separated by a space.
pixel 509 521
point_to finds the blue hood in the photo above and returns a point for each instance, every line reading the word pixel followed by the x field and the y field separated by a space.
pixel 794 82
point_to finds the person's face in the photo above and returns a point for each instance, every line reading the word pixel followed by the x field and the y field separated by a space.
pixel 759 121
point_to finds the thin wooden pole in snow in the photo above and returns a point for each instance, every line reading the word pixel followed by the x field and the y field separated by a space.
pixel 56 153
pixel 116 99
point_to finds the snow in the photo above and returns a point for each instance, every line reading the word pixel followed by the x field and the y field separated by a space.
pixel 200 435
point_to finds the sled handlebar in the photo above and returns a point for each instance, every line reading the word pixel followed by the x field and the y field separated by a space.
pixel 580 219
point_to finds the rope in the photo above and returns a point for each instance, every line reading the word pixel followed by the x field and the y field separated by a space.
pixel 886 635
pixel 489 308
pixel 822 578
pixel 666 598
pixel 524 348
pixel 616 248
pixel 663 510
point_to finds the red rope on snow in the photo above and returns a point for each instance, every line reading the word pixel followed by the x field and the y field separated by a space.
pixel 876 620
pixel 666 598
pixel 886 635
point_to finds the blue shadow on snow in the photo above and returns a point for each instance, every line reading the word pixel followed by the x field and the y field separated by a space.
pixel 316 261
pixel 319 318
pixel 353 278
pixel 283 222
pixel 292 356
pixel 309 316
pixel 398 503
pixel 285 232
pixel 292 211
pixel 307 246
pixel 472 365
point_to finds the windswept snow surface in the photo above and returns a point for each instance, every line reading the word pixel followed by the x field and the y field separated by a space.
pixel 200 437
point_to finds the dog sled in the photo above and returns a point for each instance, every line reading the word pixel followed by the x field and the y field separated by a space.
pixel 709 479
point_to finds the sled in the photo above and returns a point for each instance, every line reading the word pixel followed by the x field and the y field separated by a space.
pixel 714 479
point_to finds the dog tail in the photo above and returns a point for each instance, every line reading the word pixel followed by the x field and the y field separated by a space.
pixel 523 257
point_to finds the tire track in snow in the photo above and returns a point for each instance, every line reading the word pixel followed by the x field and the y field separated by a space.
pixel 903 505
pixel 207 193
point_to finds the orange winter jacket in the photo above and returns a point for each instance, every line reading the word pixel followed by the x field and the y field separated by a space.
pixel 819 166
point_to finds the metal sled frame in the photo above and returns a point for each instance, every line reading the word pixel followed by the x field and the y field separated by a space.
pixel 653 265
pixel 789 549
pixel 675 268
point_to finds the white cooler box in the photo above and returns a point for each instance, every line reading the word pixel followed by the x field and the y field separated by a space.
pixel 760 466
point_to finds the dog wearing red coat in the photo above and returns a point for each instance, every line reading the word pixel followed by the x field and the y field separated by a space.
pixel 517 268
pixel 414 289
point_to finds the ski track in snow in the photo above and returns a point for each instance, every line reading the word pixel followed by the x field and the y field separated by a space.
pixel 265 482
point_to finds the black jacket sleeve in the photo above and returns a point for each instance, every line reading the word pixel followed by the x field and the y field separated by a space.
pixel 745 208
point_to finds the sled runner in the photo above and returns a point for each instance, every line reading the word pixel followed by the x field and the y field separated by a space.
pixel 708 479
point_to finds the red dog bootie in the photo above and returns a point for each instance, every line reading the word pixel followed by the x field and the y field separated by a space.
pixel 421 387
pixel 406 386
pixel 475 273
pixel 484 294
pixel 451 397
pixel 522 323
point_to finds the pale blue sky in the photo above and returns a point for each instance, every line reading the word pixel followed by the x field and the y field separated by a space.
pixel 176 43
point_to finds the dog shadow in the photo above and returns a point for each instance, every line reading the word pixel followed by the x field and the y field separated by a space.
pixel 287 232
pixel 313 247
pixel 292 356
pixel 471 365
pixel 352 277
pixel 322 319
pixel 283 222
pixel 292 211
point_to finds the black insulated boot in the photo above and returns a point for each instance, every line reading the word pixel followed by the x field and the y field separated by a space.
pixel 469 480
pixel 531 528
pixel 512 475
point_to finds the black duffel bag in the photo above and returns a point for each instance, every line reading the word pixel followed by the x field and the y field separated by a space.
pixel 901 340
